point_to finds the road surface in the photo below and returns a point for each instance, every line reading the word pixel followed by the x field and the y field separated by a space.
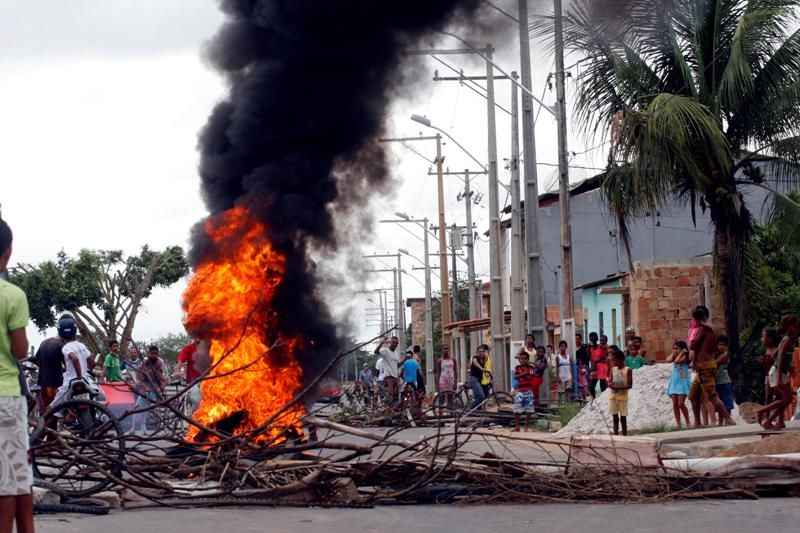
pixel 696 517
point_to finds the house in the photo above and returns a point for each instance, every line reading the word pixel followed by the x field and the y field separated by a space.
pixel 657 302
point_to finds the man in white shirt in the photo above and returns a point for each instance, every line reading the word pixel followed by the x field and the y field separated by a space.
pixel 77 360
pixel 390 360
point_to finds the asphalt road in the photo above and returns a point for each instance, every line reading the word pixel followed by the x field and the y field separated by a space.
pixel 706 516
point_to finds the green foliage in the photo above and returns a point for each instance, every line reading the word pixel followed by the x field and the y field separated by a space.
pixel 772 288
pixel 103 288
pixel 567 411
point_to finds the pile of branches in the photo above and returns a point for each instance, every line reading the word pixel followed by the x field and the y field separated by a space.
pixel 314 461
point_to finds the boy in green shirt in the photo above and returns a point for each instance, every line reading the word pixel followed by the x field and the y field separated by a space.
pixel 112 372
pixel 634 358
pixel 16 499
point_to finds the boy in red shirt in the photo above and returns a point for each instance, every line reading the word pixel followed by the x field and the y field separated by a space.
pixel 523 397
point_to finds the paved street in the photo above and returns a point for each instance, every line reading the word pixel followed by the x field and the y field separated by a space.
pixel 708 516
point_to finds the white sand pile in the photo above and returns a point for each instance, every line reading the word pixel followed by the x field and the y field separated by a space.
pixel 648 406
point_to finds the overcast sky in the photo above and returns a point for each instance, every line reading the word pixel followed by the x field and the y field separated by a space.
pixel 100 105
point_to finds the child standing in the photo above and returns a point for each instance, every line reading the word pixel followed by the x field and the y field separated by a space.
pixel 621 383
pixel 564 362
pixel 679 382
pixel 583 380
pixel 523 397
pixel 722 379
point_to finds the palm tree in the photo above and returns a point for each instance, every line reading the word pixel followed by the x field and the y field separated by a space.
pixel 693 92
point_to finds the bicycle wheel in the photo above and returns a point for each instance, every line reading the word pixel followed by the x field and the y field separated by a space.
pixel 448 403
pixel 500 402
pixel 88 447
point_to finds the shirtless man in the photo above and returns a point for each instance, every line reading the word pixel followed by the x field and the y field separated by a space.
pixel 703 348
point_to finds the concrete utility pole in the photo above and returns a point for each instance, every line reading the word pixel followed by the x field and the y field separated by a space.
pixel 401 306
pixel 533 266
pixel 500 363
pixel 517 310
pixel 429 374
pixel 474 298
pixel 567 309
pixel 429 355
pixel 473 301
pixel 453 230
pixel 398 295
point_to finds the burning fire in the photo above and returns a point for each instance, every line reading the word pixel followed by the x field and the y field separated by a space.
pixel 229 301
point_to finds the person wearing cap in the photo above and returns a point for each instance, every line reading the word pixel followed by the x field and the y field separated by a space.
pixel 16 498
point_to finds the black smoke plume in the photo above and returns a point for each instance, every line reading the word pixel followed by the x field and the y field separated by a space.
pixel 295 140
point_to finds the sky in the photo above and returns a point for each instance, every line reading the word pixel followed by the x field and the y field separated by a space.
pixel 101 103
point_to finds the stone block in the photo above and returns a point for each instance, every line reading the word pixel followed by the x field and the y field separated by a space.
pixel 668 293
pixel 683 281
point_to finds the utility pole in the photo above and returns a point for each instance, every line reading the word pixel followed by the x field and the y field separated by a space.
pixel 500 364
pixel 429 355
pixel 567 310
pixel 443 277
pixel 401 304
pixel 445 301
pixel 453 230
pixel 473 302
pixel 533 266
pixel 429 374
pixel 517 311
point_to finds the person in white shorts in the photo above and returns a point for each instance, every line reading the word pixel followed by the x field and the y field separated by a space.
pixel 16 498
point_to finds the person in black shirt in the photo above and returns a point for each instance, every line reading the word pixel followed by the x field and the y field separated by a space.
pixel 50 359
pixel 581 351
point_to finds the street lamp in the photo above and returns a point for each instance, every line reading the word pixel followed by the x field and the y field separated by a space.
pixel 425 121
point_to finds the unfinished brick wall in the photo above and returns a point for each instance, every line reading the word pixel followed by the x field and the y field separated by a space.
pixel 663 295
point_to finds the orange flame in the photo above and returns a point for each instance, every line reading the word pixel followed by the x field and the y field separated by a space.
pixel 229 300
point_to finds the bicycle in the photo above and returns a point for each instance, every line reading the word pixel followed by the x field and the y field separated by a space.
pixel 86 450
pixel 411 404
pixel 164 419
pixel 457 402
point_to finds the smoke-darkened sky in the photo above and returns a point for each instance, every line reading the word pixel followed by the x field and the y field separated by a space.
pixel 102 102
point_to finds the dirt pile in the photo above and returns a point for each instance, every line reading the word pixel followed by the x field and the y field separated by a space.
pixel 649 407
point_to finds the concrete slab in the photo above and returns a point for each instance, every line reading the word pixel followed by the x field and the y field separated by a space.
pixel 715 433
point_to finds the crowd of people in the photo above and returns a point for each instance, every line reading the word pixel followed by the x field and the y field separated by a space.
pixel 699 373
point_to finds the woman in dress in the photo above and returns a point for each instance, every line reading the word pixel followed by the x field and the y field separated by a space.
pixel 446 373
pixel 679 381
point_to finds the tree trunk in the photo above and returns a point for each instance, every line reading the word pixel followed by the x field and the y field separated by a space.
pixel 729 261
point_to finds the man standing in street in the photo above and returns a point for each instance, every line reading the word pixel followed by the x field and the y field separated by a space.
pixel 50 360
pixel 391 361
pixel 16 498
pixel 112 370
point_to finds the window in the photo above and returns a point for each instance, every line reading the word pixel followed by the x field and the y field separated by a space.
pixel 600 319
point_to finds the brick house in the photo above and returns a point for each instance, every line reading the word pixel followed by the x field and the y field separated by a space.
pixel 657 301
